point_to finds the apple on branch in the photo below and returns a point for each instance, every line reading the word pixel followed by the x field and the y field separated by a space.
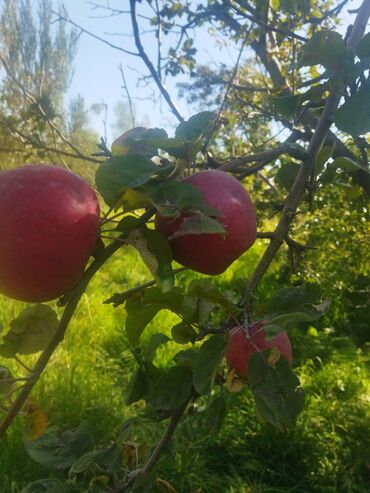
pixel 213 253
pixel 242 345
pixel 49 224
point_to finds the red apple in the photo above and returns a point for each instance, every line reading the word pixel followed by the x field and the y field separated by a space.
pixel 240 347
pixel 213 253
pixel 49 223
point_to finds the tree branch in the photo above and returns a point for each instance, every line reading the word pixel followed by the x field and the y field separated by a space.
pixel 149 64
pixel 318 138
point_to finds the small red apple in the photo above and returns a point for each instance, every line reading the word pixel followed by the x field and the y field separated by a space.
pixel 213 253
pixel 240 347
pixel 49 223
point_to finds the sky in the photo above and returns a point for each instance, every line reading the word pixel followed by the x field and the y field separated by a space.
pixel 96 66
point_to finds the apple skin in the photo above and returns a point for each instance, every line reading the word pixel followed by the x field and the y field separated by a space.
pixel 240 348
pixel 213 253
pixel 49 224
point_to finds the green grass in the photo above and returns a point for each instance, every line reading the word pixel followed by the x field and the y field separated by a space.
pixel 328 451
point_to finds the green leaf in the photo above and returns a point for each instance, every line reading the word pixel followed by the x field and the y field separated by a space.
pixel 172 197
pixel 207 363
pixel 186 357
pixel 198 224
pixel 271 330
pixel 286 320
pixel 294 298
pixel 325 48
pixel 216 414
pixel 120 173
pixel 197 126
pixel 287 174
pixel 276 390
pixel 156 253
pixel 286 105
pixel 353 116
pixel 183 333
pixel 110 458
pixel 155 342
pixel 6 380
pixel 142 307
pixel 206 289
pixel 172 390
pixel 48 485
pixel 30 332
pixel 345 163
pixel 60 452
pixel 362 49
pixel 322 157
pixel 137 388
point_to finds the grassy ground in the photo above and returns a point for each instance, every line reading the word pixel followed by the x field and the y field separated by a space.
pixel 328 451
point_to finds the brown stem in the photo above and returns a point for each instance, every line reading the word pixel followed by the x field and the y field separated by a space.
pixel 157 452
pixel 149 64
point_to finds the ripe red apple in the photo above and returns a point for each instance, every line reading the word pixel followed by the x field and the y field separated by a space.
pixel 240 347
pixel 213 253
pixel 49 223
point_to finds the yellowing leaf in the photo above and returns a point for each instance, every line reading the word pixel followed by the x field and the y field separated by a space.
pixel 273 357
pixel 132 452
pixel 36 420
pixel 167 485
pixel 234 383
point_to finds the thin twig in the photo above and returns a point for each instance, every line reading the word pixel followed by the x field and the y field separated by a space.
pixel 149 64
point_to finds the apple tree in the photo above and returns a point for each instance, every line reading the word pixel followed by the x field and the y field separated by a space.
pixel 193 197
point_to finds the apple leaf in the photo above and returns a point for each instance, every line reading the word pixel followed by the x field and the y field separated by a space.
pixel 36 420
pixel 362 49
pixel 6 380
pixel 286 105
pixel 205 289
pixel 156 253
pixel 172 197
pixel 207 363
pixel 197 126
pixel 60 452
pixel 325 48
pixel 120 173
pixel 110 458
pixel 276 390
pixel 286 320
pixel 183 333
pixel 137 388
pixel 353 116
pixel 30 332
pixel 287 174
pixel 142 307
pixel 294 299
pixel 271 330
pixel 48 485
pixel 172 389
pixel 186 357
pixel 346 164
pixel 198 224
pixel 216 414
pixel 196 310
pixel 155 342
pixel 322 157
